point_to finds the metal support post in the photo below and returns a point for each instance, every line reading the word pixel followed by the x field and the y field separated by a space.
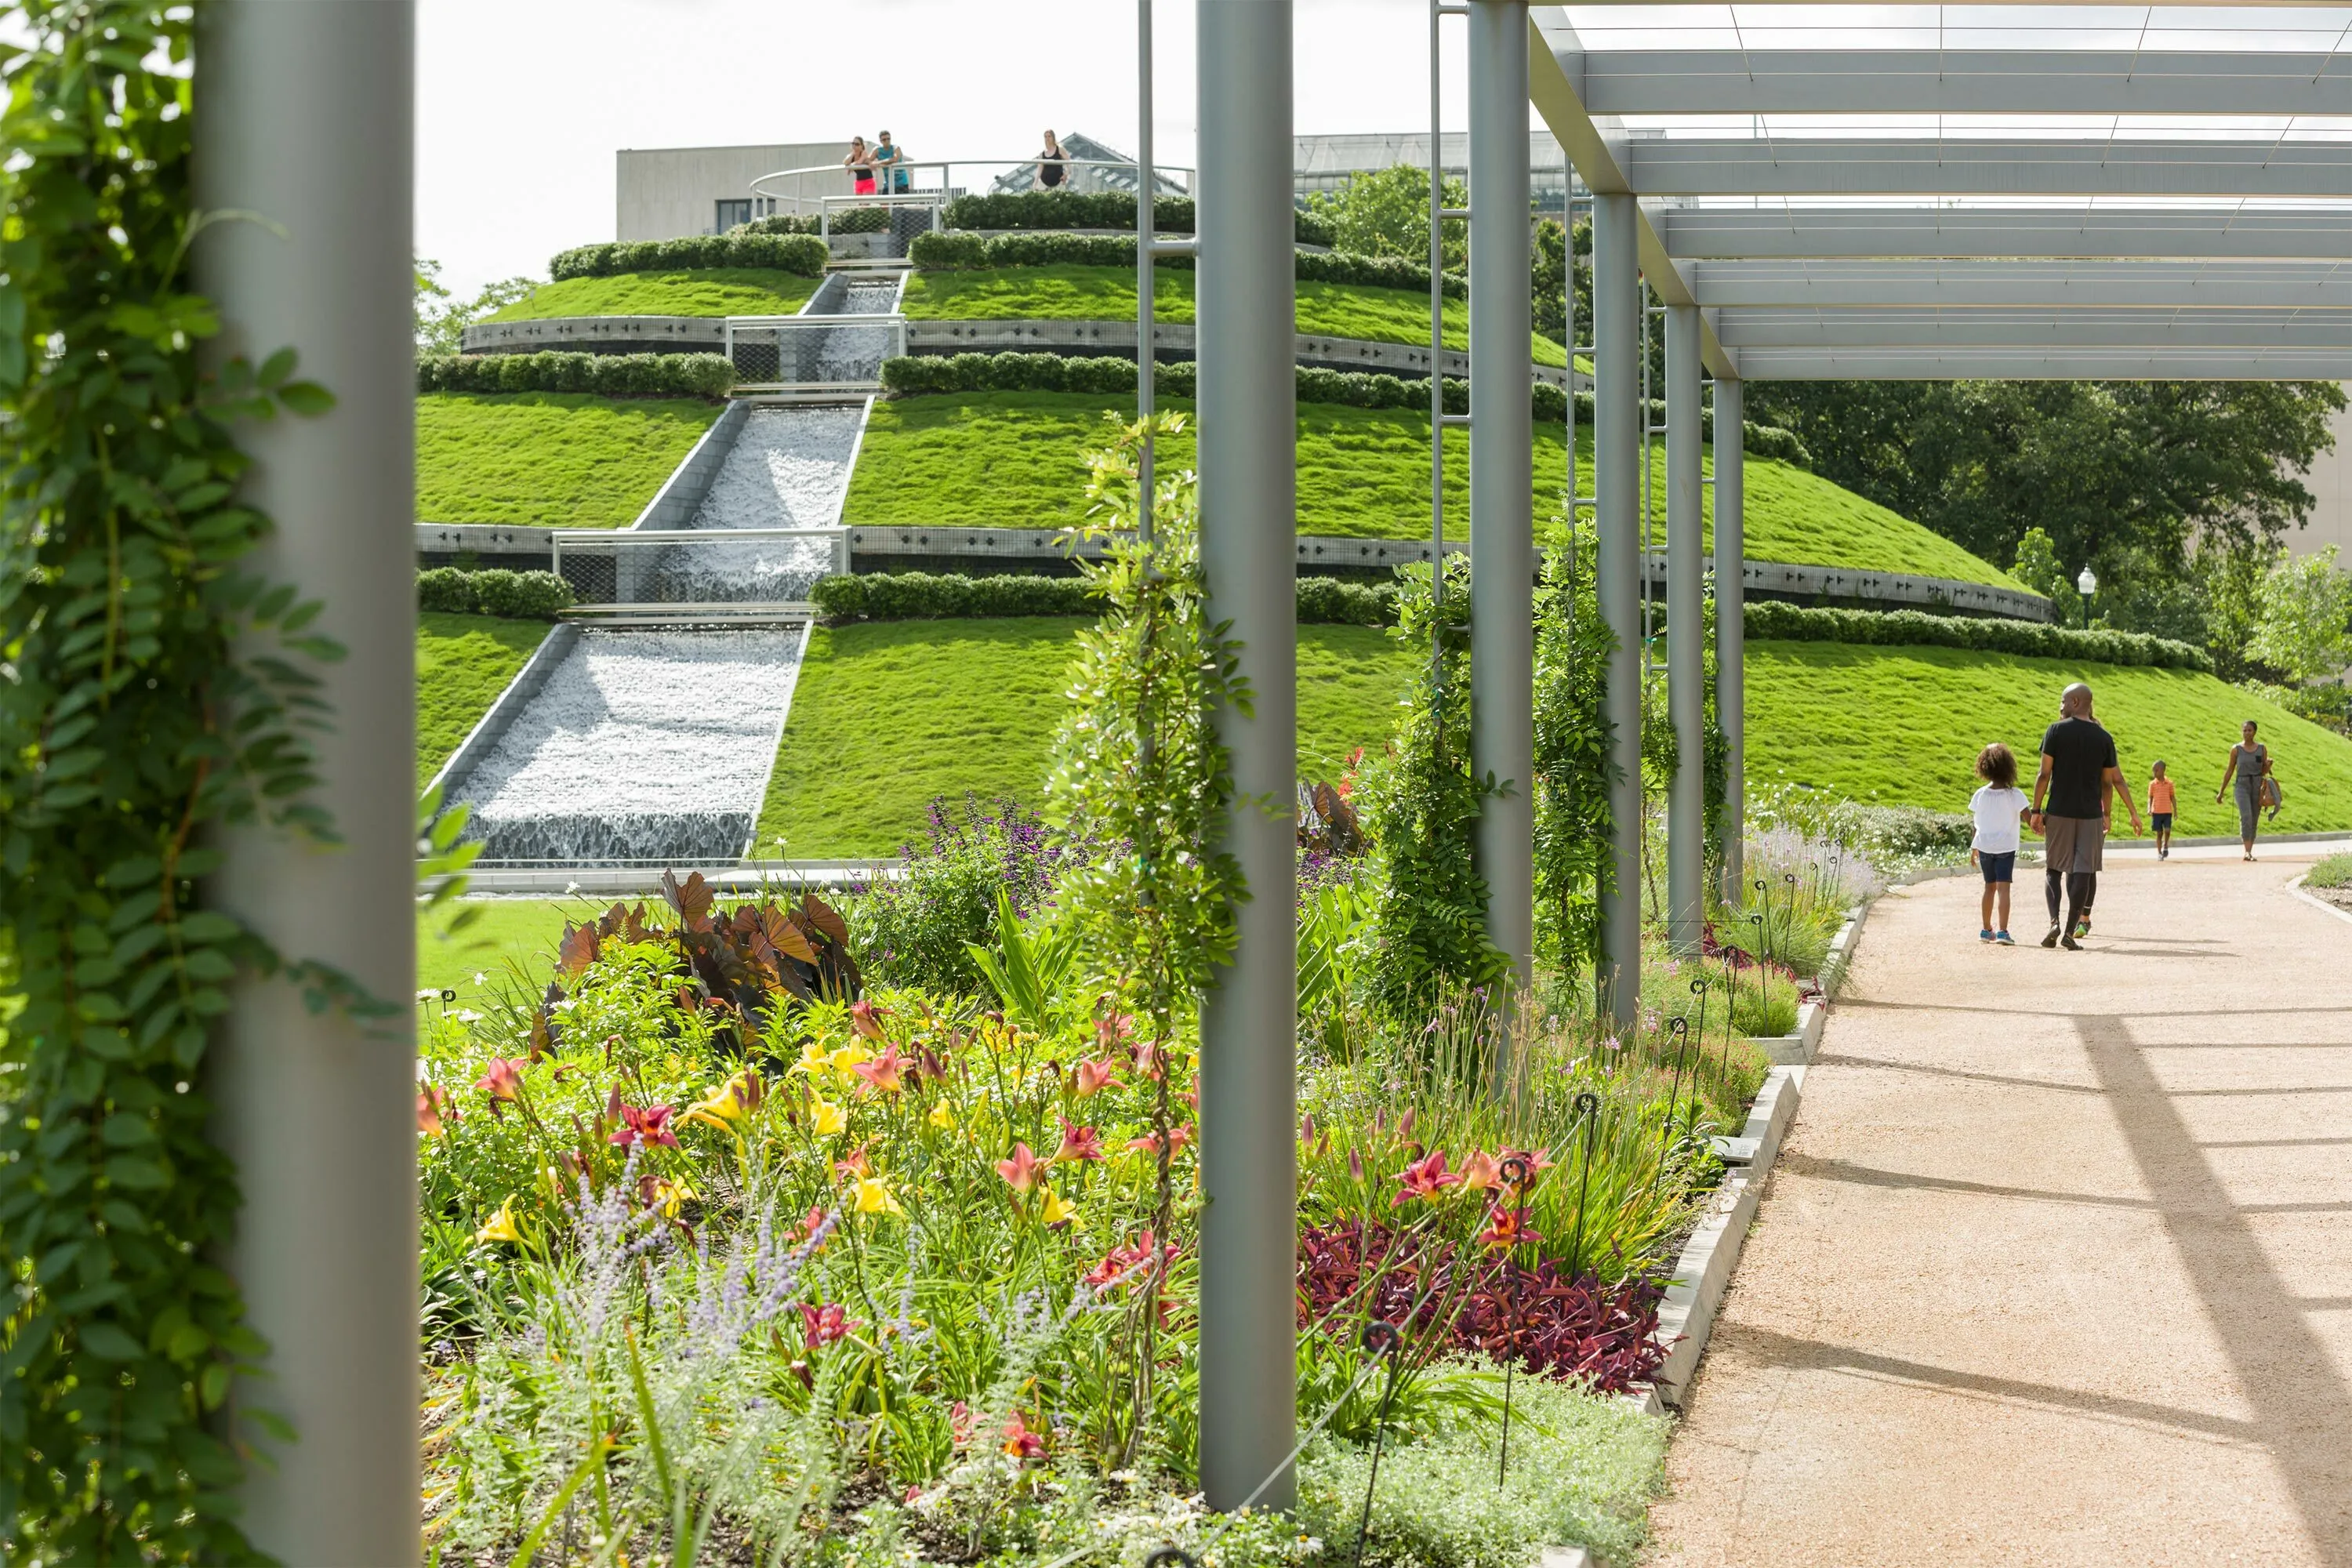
pixel 1617 488
pixel 1248 454
pixel 1686 640
pixel 1502 466
pixel 303 128
pixel 1730 629
pixel 1146 234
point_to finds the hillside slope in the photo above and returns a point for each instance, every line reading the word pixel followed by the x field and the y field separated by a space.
pixel 889 716
pixel 1016 460
pixel 703 292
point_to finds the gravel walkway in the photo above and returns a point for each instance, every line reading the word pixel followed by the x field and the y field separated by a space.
pixel 2056 1266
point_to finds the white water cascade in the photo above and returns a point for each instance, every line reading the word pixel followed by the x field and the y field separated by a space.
pixel 642 746
pixel 789 468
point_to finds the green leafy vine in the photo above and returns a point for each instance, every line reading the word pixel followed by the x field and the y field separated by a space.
pixel 133 731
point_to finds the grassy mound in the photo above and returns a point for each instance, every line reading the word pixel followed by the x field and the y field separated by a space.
pixel 1902 726
pixel 462 662
pixel 885 716
pixel 1064 291
pixel 716 291
pixel 1014 459
pixel 549 459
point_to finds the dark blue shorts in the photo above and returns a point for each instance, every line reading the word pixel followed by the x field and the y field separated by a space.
pixel 2159 821
pixel 1997 868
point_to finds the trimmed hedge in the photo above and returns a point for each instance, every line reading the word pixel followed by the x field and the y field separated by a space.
pixel 951 251
pixel 606 375
pixel 517 595
pixel 1066 209
pixel 1767 621
pixel 803 254
pixel 919 375
pixel 928 596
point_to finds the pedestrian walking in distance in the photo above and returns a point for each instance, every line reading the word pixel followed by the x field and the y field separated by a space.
pixel 2250 766
pixel 2159 810
pixel 2000 811
pixel 2070 804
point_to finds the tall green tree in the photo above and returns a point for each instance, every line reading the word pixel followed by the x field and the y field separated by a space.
pixel 2132 478
pixel 1386 213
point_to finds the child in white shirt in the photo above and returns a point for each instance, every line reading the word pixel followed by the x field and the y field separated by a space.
pixel 1999 807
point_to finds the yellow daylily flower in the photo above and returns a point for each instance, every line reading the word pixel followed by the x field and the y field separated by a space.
pixel 942 1116
pixel 1052 1210
pixel 828 1118
pixel 501 1225
pixel 872 1196
pixel 814 1058
pixel 721 1108
pixel 666 1195
pixel 844 1063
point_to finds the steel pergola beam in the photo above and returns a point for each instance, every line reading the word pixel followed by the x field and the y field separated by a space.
pixel 1927 364
pixel 1554 52
pixel 1799 326
pixel 2146 284
pixel 1927 166
pixel 2086 231
pixel 1965 81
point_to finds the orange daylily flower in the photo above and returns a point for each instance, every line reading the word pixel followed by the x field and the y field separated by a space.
pixel 866 1019
pixel 1091 1078
pixel 1020 1171
pixel 882 1072
pixel 1507 1227
pixel 1425 1179
pixel 1078 1143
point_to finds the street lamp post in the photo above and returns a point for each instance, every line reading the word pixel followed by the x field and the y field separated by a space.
pixel 2087 585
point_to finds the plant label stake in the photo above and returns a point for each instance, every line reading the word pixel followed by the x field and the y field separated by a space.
pixel 1514 1172
pixel 1588 1106
pixel 1380 1340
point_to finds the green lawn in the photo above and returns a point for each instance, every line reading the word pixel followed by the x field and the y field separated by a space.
pixel 462 662
pixel 714 291
pixel 549 459
pixel 522 929
pixel 1902 726
pixel 1014 459
pixel 889 716
pixel 1064 291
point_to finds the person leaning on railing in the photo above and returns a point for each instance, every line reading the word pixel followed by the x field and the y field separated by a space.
pixel 1053 164
pixel 888 155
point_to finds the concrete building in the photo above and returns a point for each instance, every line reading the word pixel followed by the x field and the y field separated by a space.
pixel 2329 480
pixel 665 193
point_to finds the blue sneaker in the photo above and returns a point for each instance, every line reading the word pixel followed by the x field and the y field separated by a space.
pixel 1985 935
pixel 2000 938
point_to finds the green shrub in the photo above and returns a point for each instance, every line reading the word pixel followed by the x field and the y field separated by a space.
pixel 605 375
pixel 1063 209
pixel 516 595
pixel 1769 622
pixel 2335 871
pixel 930 596
pixel 1912 831
pixel 801 253
pixel 849 220
pixel 953 251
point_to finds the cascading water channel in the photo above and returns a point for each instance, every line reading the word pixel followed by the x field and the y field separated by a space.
pixel 643 746
pixel 654 746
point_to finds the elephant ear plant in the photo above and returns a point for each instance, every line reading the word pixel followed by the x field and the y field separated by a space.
pixel 152 692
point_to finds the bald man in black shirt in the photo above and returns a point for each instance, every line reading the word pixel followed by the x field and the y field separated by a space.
pixel 2078 769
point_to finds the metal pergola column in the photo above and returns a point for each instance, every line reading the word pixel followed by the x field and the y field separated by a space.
pixel 1730 626
pixel 1502 458
pixel 1685 644
pixel 1617 490
pixel 304 128
pixel 1248 441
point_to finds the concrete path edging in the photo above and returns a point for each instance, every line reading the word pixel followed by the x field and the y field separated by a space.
pixel 2295 887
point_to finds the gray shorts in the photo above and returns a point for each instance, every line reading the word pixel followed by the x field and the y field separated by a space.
pixel 2072 844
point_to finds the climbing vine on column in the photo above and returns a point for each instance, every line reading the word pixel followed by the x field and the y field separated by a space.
pixel 152 693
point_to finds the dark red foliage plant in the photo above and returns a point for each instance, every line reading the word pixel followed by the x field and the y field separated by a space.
pixel 1535 1318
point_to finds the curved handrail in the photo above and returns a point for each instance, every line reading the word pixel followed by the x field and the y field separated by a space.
pixel 913 168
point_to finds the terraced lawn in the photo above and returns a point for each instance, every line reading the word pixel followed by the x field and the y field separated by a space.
pixel 715 291
pixel 549 459
pixel 1064 291
pixel 1010 459
pixel 889 716
pixel 462 662
pixel 1903 726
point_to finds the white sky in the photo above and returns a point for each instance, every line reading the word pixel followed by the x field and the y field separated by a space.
pixel 522 104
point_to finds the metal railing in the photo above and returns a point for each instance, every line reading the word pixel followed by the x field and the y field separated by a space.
pixel 818 190
pixel 812 353
pixel 674 575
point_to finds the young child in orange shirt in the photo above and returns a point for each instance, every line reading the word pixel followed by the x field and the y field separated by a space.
pixel 2159 811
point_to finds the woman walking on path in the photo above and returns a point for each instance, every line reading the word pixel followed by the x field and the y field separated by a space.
pixel 2250 764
